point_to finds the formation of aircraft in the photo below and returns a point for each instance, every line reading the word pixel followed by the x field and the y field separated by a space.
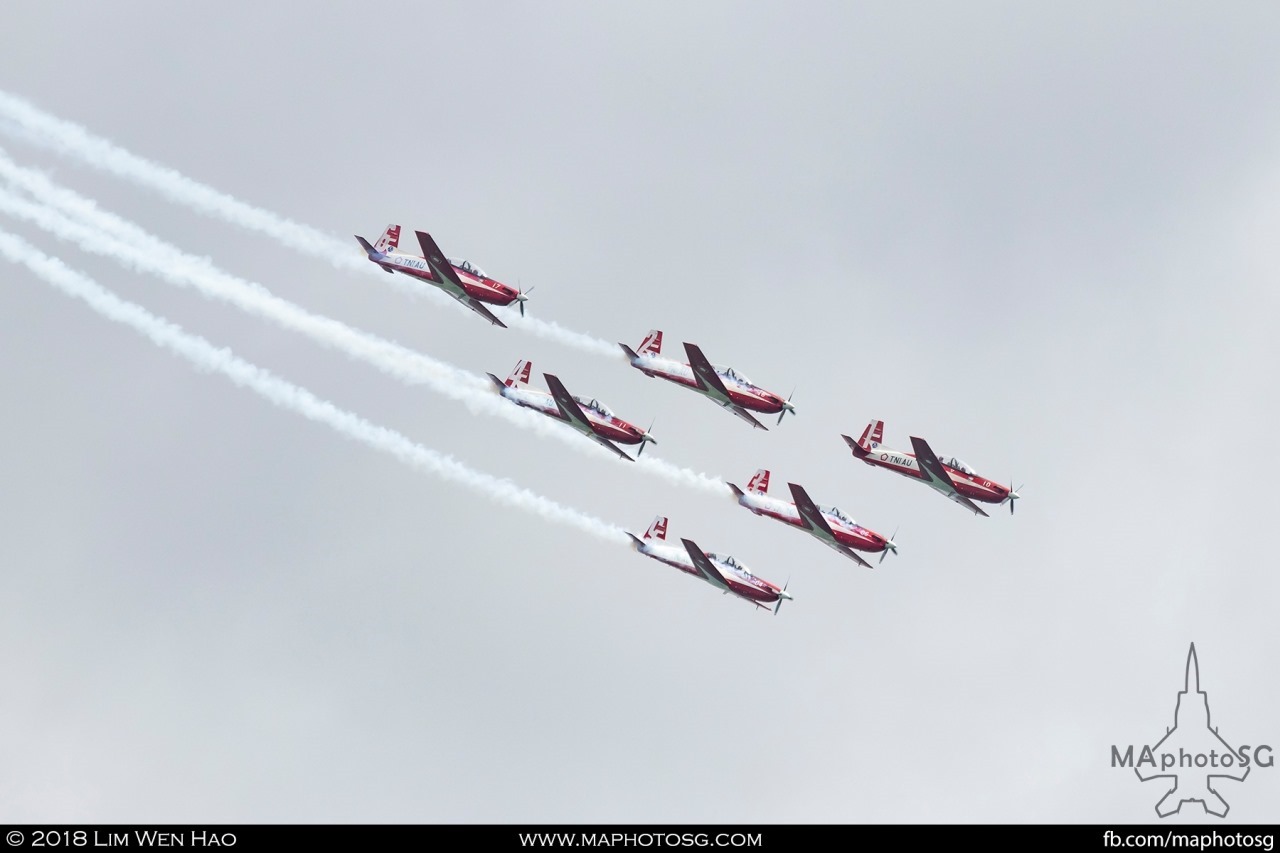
pixel 948 475
pixel 722 385
pixel 461 279
pixel 721 571
pixel 828 525
pixel 590 417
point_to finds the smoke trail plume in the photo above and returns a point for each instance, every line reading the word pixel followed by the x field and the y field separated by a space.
pixel 71 140
pixel 292 397
pixel 136 249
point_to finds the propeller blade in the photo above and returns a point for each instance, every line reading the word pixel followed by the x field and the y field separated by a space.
pixel 781 596
pixel 1014 496
pixel 787 407
pixel 647 438
pixel 890 545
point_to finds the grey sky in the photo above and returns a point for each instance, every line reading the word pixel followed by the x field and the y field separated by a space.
pixel 1042 238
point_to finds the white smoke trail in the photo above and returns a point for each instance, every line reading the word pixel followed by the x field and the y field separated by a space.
pixel 71 140
pixel 136 249
pixel 289 396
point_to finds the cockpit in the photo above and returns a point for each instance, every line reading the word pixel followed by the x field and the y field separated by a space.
pixel 955 464
pixel 467 266
pixel 835 512
pixel 596 405
pixel 729 562
pixel 730 373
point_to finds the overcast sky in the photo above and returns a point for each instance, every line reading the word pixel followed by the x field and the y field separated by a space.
pixel 1044 238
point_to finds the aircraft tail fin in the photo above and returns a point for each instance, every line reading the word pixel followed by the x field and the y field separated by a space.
pixel 870 440
pixel 520 376
pixel 759 484
pixel 370 251
pixel 874 433
pixel 389 240
pixel 652 343
pixel 657 530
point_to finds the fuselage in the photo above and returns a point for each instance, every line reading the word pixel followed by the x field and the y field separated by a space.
pixel 477 286
pixel 847 532
pixel 742 393
pixel 741 581
pixel 968 483
pixel 606 426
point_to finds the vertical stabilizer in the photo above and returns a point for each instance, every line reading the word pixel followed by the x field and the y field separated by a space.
pixel 389 240
pixel 652 344
pixel 657 530
pixel 520 376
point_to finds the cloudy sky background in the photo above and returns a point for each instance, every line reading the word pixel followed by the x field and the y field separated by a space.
pixel 1042 238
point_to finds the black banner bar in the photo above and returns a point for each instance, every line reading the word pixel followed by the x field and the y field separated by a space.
pixel 238 837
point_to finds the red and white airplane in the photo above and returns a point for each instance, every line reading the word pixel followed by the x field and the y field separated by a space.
pixel 723 572
pixel 720 384
pixel 462 280
pixel 827 524
pixel 947 474
pixel 589 417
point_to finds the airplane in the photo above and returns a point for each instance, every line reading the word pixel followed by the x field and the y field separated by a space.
pixel 721 571
pixel 461 279
pixel 722 385
pixel 589 417
pixel 948 475
pixel 828 525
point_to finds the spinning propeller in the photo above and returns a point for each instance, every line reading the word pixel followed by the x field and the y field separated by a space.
pixel 522 296
pixel 889 546
pixel 787 407
pixel 646 438
pixel 781 595
pixel 1012 496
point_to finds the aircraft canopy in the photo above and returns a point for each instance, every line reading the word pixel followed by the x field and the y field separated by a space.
pixel 595 404
pixel 730 373
pixel 467 266
pixel 729 562
pixel 835 511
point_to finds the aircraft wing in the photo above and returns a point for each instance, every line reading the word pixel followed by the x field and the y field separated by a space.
pixel 478 307
pixel 812 517
pixel 938 476
pixel 710 383
pixel 745 415
pixel 705 567
pixel 448 279
pixel 572 412
pixel 708 380
pixel 439 264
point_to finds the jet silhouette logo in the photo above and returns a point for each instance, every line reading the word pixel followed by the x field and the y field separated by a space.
pixel 1192 757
